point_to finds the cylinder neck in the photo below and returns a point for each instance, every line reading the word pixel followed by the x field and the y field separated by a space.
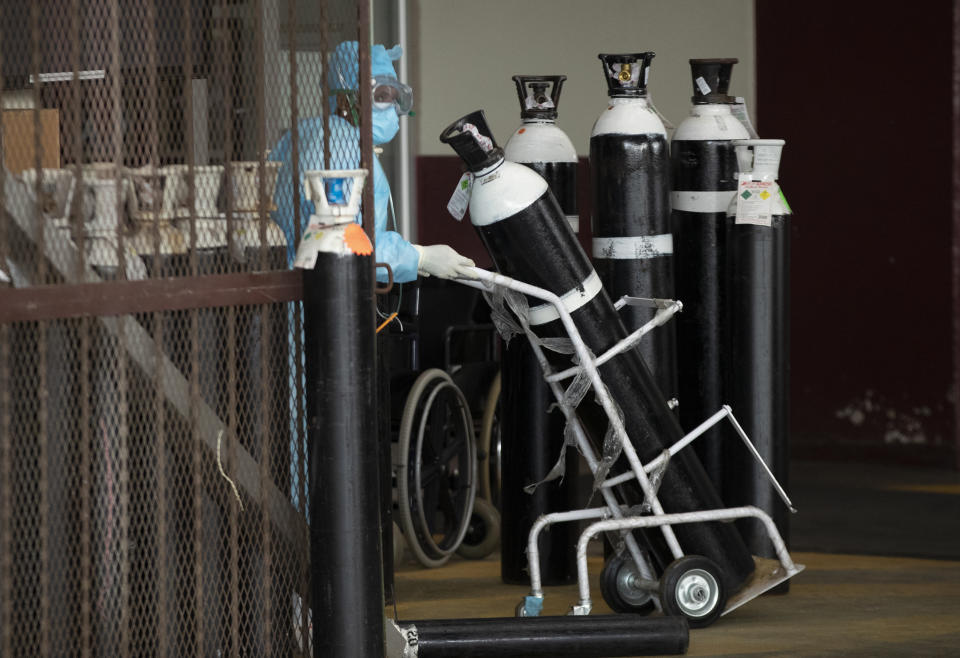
pixel 629 100
pixel 489 170
pixel 527 121
pixel 711 110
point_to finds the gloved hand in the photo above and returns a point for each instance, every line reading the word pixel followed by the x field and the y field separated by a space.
pixel 443 261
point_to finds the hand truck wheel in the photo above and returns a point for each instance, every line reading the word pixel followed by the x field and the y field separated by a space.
pixel 691 587
pixel 436 468
pixel 619 589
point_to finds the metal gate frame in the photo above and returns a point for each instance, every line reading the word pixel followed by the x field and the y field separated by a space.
pixel 54 283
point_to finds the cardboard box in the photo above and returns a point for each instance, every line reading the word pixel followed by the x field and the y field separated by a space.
pixel 19 142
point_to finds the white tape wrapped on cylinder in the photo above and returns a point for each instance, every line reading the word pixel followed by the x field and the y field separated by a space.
pixel 326 229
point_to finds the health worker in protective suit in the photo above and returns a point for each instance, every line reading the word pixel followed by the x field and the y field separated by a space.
pixel 391 100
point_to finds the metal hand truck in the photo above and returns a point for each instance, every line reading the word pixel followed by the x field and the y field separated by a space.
pixel 688 586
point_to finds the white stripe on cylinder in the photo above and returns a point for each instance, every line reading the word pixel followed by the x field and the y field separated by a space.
pixel 702 201
pixel 572 300
pixel 630 248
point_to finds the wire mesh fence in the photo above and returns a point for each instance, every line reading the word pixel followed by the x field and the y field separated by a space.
pixel 152 443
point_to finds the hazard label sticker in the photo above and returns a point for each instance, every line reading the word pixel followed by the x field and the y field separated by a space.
pixel 755 202
pixel 460 201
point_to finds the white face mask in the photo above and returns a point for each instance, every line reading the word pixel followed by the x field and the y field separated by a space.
pixel 386 123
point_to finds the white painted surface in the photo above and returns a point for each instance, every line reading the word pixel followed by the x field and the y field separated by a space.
pixel 701 201
pixel 504 192
pixel 707 122
pixel 463 55
pixel 572 300
pixel 628 116
pixel 539 142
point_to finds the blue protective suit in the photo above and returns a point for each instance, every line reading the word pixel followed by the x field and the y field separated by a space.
pixel 391 247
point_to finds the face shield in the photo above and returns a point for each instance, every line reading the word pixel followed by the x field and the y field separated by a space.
pixel 388 91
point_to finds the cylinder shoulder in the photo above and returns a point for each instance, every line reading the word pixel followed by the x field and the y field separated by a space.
pixel 628 119
pixel 705 127
pixel 540 142
pixel 504 192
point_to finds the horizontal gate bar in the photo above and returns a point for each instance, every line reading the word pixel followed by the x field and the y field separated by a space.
pixel 106 298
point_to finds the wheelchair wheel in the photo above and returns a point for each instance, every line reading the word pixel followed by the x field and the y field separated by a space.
pixel 489 468
pixel 483 533
pixel 436 468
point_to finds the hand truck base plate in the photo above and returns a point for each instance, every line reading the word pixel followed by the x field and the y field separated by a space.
pixel 767 574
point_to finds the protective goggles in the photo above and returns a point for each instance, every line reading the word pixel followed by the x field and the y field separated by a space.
pixel 388 90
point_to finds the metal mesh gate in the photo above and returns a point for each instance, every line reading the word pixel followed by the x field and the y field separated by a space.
pixel 152 443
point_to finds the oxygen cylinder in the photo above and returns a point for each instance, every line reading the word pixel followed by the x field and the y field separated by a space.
pixel 346 578
pixel 629 173
pixel 528 238
pixel 541 145
pixel 557 637
pixel 704 170
pixel 531 438
pixel 757 323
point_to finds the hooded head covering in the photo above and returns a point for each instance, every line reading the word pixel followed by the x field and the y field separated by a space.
pixel 345 62
pixel 344 65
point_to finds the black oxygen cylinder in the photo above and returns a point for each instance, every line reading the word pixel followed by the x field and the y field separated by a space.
pixel 630 180
pixel 532 437
pixel 757 326
pixel 704 171
pixel 541 145
pixel 528 238
pixel 346 584
pixel 580 637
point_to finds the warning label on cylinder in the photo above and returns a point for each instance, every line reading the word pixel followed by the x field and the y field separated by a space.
pixel 755 202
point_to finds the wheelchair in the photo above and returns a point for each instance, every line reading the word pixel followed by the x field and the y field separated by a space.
pixel 443 360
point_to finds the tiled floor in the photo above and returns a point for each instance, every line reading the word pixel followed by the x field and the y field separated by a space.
pixel 866 536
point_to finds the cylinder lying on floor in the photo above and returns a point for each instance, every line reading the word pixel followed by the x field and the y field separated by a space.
pixel 757 321
pixel 629 173
pixel 704 171
pixel 346 583
pixel 583 637
pixel 525 231
pixel 531 436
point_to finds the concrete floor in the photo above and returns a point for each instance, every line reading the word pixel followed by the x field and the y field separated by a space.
pixel 866 536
